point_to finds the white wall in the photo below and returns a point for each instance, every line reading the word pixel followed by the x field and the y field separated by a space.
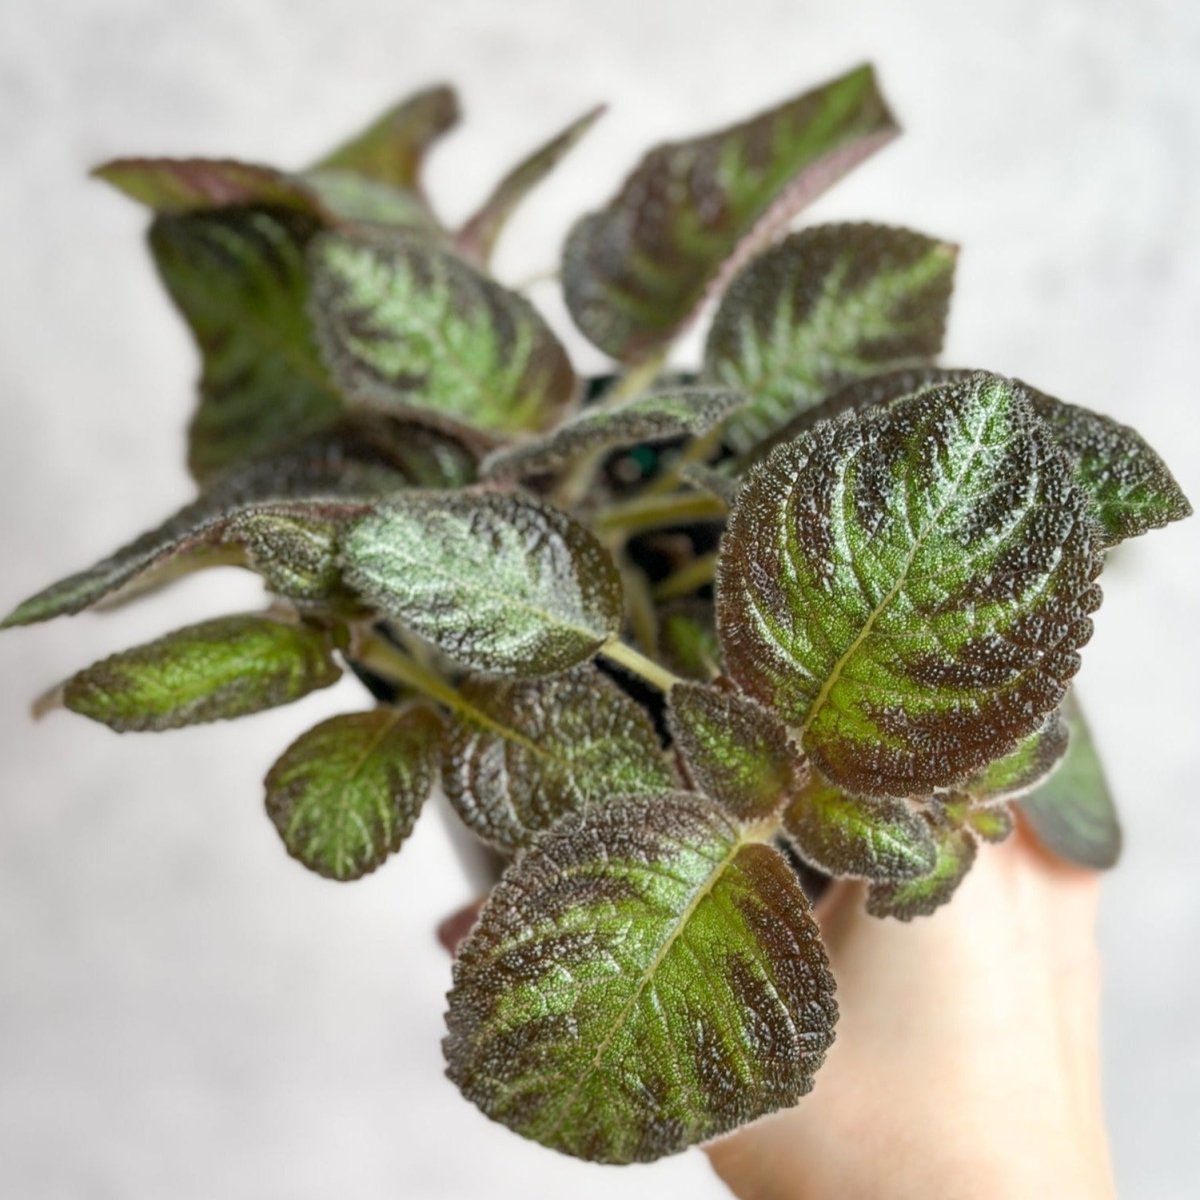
pixel 183 1011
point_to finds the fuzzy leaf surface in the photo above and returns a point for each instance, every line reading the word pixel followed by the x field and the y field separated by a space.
pixel 657 417
pixel 921 897
pixel 910 588
pixel 1023 768
pixel 733 749
pixel 500 583
pixel 527 752
pixel 217 670
pixel 826 305
pixel 635 272
pixel 1072 813
pixel 346 794
pixel 477 238
pixel 645 977
pixel 404 325
pixel 845 836
pixel 238 277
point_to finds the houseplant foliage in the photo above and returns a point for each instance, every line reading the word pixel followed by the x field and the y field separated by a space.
pixel 660 636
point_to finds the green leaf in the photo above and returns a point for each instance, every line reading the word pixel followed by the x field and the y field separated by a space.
pixel 217 670
pixel 292 544
pixel 477 238
pixel 687 639
pixel 909 588
pixel 658 417
pixel 1072 813
pixel 347 793
pixel 881 840
pixel 1129 488
pixel 185 185
pixel 826 305
pixel 991 823
pixel 733 749
pixel 238 277
pixel 500 583
pixel 353 199
pixel 647 976
pixel 1025 767
pixel 523 753
pixel 392 148
pixel 404 325
pixel 920 897
pixel 637 271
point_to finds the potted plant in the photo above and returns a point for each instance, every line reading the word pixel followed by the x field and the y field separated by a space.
pixel 678 646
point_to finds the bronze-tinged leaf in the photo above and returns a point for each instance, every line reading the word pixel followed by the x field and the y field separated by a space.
pixel 1072 814
pixel 921 897
pixel 910 588
pixel 347 793
pixel 657 417
pixel 733 749
pixel 1023 768
pixel 391 148
pixel 826 305
pixel 477 238
pixel 845 836
pixel 214 671
pixel 406 326
pixel 637 271
pixel 500 583
pixel 523 753
pixel 645 977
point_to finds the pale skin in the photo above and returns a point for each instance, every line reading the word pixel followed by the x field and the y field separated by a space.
pixel 966 1065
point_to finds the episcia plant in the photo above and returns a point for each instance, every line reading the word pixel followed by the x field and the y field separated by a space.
pixel 679 644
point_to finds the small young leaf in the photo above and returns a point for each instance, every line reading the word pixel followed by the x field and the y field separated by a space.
pixel 500 583
pixel 404 325
pixel 910 588
pixel 733 749
pixel 658 417
pixel 635 272
pixel 524 753
pixel 687 640
pixel 391 149
pixel 992 823
pixel 238 277
pixel 1024 768
pixel 220 669
pixel 1129 488
pixel 347 793
pixel 866 839
pixel 185 185
pixel 1072 813
pixel 643 978
pixel 824 306
pixel 477 238
pixel 920 897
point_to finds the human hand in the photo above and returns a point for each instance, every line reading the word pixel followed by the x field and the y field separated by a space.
pixel 966 1065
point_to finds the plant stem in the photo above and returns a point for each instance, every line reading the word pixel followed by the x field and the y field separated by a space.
pixel 380 655
pixel 639 664
pixel 687 579
pixel 650 512
pixel 697 450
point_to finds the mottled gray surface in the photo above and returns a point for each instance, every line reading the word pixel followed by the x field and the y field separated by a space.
pixel 183 1011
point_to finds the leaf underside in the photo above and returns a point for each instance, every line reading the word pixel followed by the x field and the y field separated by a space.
pixel 527 752
pixel 642 979
pixel 346 794
pixel 910 589
pixel 500 583
pixel 635 272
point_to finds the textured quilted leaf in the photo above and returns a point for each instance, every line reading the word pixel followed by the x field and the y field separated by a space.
pixel 923 896
pixel 404 325
pixel 524 753
pixel 826 305
pixel 501 583
pixel 346 794
pixel 647 976
pixel 1023 768
pixel 909 589
pixel 635 272
pixel 220 669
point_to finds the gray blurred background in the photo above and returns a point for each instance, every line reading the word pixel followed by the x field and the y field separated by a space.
pixel 185 1012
